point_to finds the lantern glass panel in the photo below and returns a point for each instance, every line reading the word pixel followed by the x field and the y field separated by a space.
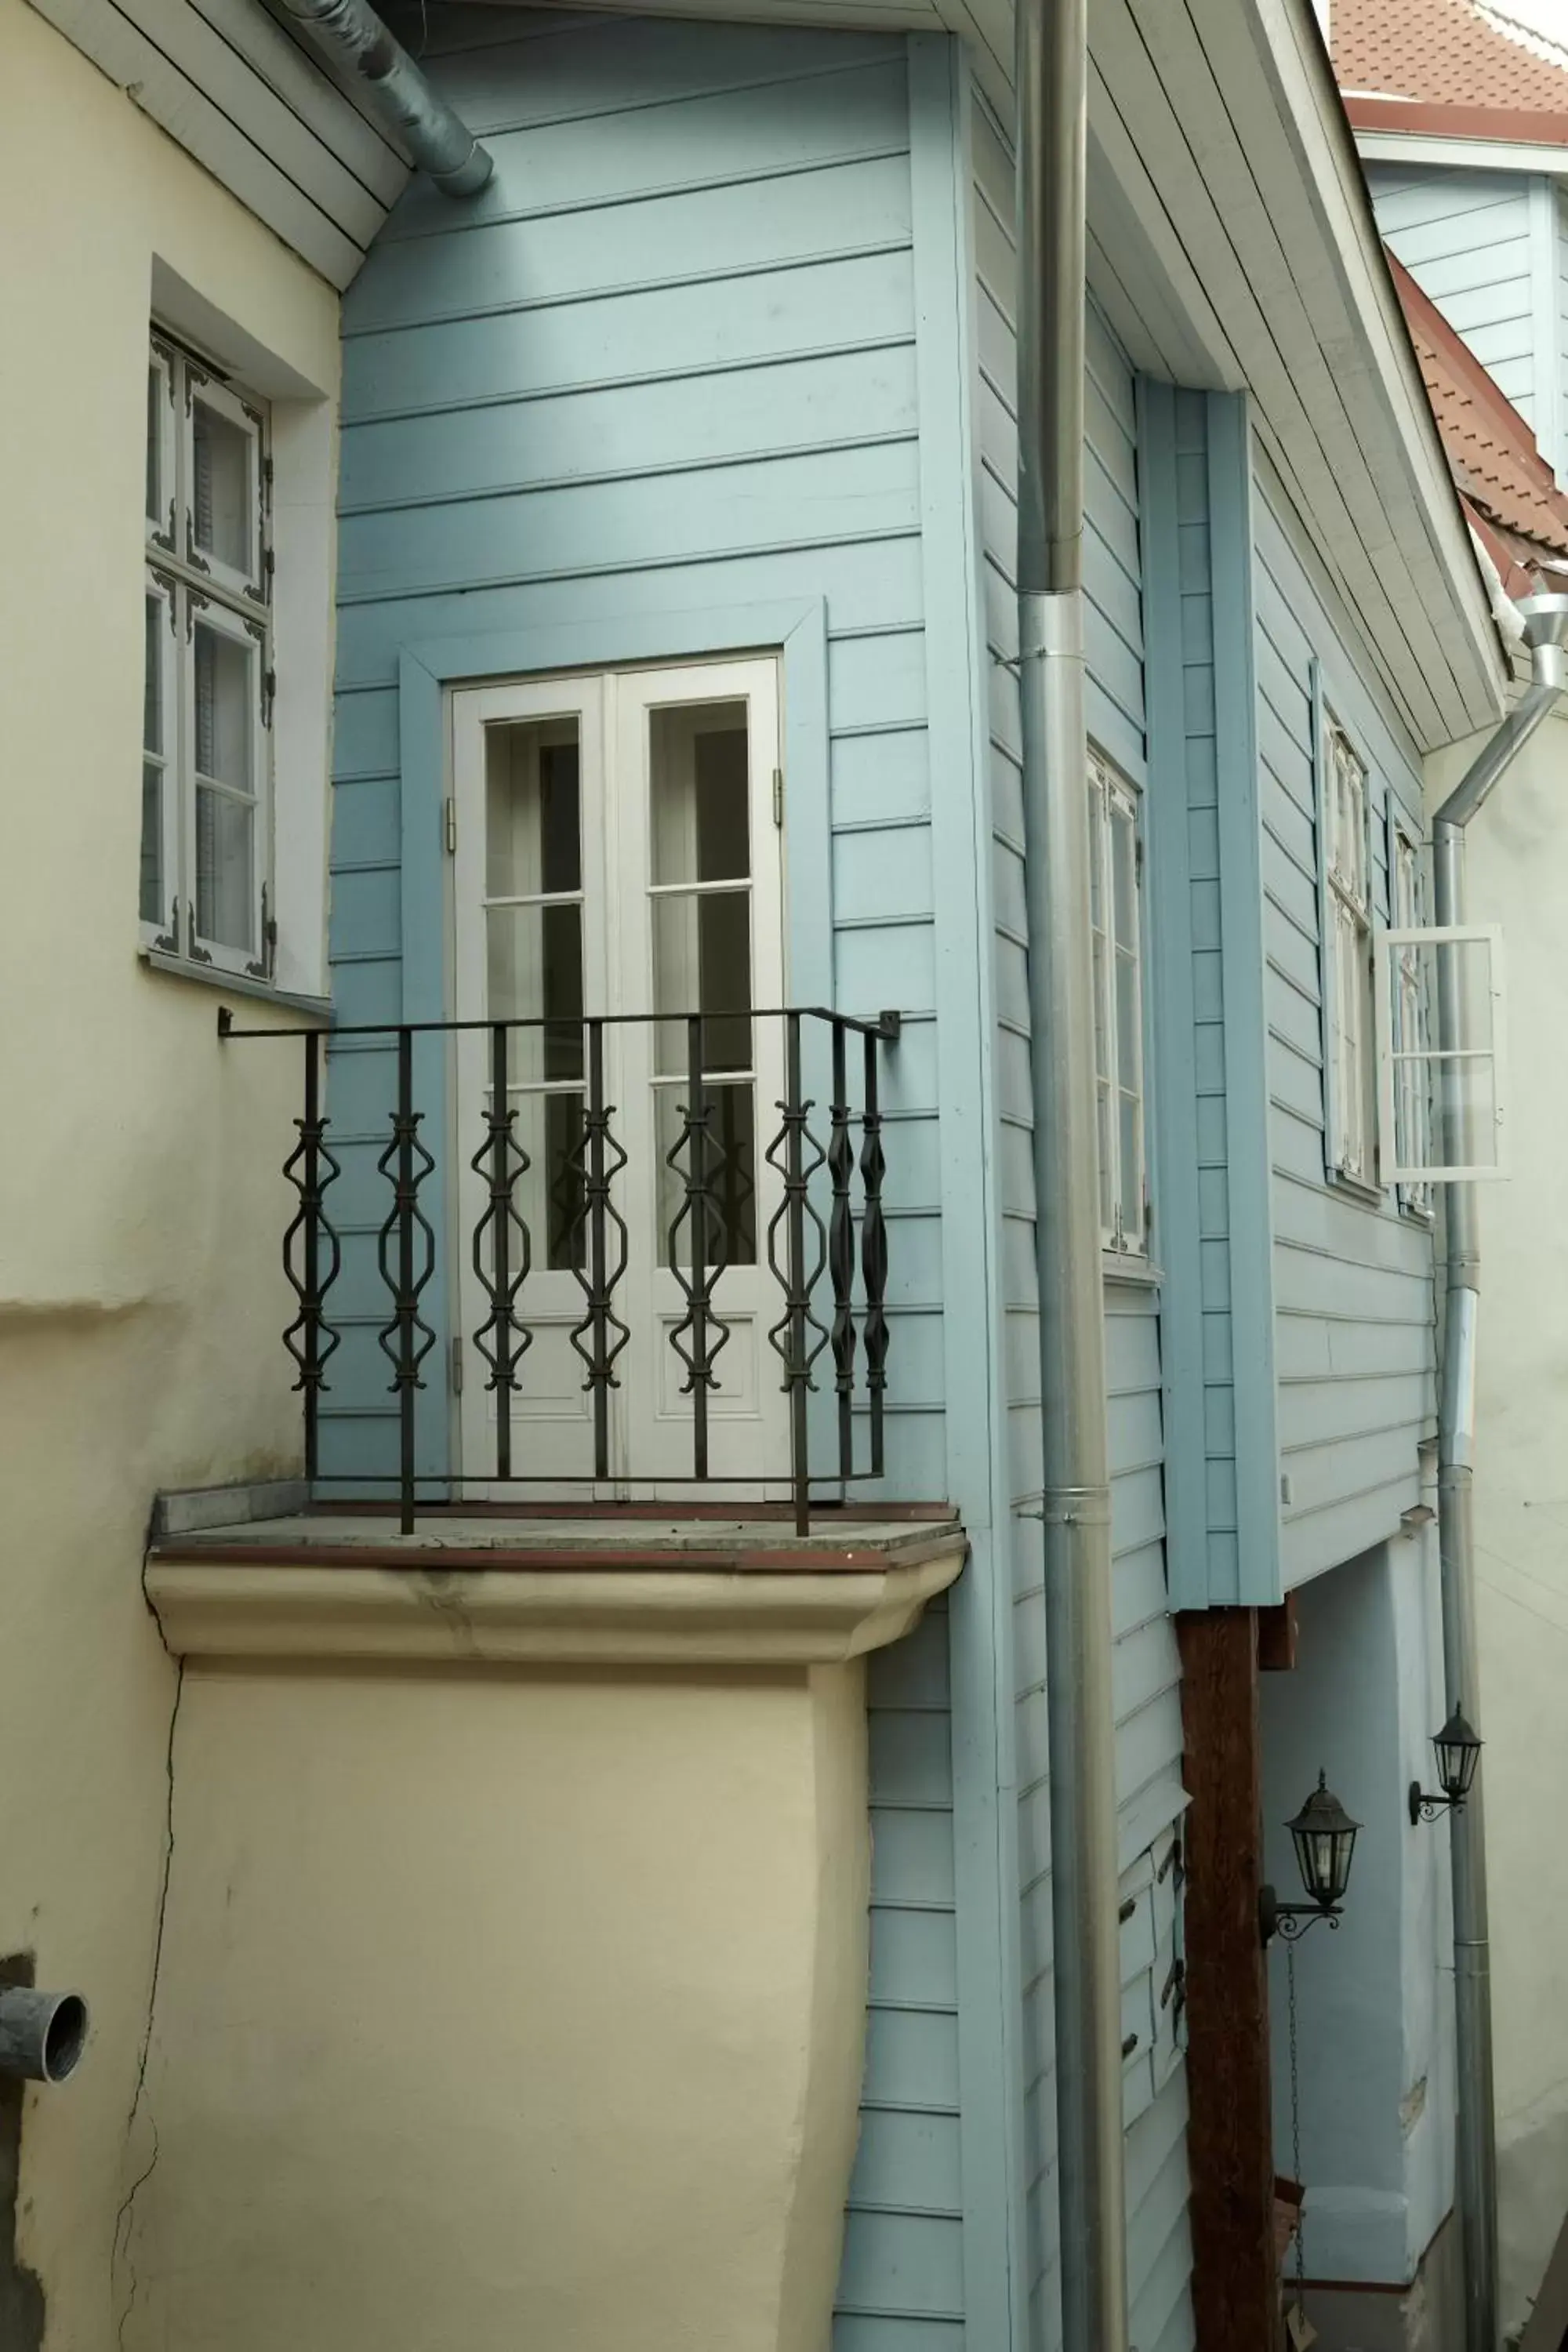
pixel 1458 1751
pixel 1344 1849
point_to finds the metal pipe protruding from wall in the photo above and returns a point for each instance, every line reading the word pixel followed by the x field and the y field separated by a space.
pixel 1545 625
pixel 1052 67
pixel 41 2034
pixel 435 135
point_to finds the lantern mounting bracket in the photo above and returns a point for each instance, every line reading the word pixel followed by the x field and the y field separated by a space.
pixel 1290 1920
pixel 1426 1805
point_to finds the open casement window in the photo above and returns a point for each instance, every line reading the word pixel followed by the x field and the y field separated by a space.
pixel 1443 1093
pixel 1346 882
pixel 205 887
pixel 1116 915
pixel 1406 1121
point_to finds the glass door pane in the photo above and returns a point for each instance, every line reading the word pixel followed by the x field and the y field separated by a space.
pixel 700 919
pixel 534 963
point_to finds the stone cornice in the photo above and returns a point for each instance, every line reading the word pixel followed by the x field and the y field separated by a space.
pixel 651 1614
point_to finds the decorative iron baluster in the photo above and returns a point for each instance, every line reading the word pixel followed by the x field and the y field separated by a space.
pixel 310 1167
pixel 502 1340
pixel 791 1334
pixel 601 1326
pixel 841 1254
pixel 407 1339
pixel 874 1252
pixel 699 1215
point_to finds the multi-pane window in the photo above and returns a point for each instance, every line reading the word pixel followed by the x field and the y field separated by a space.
pixel 1352 1143
pixel 1410 1019
pixel 205 752
pixel 1116 915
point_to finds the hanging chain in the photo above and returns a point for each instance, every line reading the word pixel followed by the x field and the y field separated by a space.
pixel 1296 2135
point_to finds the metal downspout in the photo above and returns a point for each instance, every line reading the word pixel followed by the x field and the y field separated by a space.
pixel 440 141
pixel 1052 131
pixel 1545 620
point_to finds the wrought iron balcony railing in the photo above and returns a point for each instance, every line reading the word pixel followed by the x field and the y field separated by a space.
pixel 807 1217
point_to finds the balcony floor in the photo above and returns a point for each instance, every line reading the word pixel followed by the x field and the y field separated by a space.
pixel 607 1536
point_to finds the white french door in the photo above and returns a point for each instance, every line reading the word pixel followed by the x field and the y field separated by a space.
pixel 618 862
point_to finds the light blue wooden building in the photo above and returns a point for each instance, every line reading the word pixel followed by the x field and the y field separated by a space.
pixel 719 368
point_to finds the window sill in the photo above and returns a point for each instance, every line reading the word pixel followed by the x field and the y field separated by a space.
pixel 1118 1266
pixel 232 984
pixel 1356 1188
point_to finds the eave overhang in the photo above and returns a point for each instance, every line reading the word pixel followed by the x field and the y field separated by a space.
pixel 1225 189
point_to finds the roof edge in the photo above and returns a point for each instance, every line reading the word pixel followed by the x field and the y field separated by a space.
pixel 1419 119
pixel 1479 382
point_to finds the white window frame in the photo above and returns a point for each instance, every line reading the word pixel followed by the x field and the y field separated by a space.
pixel 247 580
pixel 1347 887
pixel 1403 1079
pixel 162 369
pixel 236 601
pixel 1114 799
pixel 1430 1057
pixel 163 931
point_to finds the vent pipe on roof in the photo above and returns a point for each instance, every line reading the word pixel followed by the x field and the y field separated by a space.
pixel 1544 621
pixel 440 141
pixel 1052 83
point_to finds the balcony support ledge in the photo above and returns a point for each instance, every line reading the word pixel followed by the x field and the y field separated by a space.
pixel 653 1613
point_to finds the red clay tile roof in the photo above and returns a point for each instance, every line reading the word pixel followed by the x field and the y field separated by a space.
pixel 1509 491
pixel 1459 53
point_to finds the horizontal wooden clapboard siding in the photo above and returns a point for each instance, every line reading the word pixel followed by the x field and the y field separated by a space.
pixel 1465 238
pixel 903 2274
pixel 670 366
pixel 1354 1309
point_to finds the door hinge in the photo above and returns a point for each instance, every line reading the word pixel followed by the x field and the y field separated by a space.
pixel 450 815
pixel 457 1364
pixel 778 797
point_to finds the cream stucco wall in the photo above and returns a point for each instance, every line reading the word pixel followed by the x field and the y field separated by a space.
pixel 504 2007
pixel 139 1295
pixel 1518 864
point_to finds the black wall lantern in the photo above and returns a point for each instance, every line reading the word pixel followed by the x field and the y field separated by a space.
pixel 1324 1838
pixel 1458 1750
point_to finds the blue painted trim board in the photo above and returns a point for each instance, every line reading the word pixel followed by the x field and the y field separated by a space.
pixel 986 1812
pixel 1325 909
pixel 1246 1033
pixel 1175 1126
pixel 428 669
